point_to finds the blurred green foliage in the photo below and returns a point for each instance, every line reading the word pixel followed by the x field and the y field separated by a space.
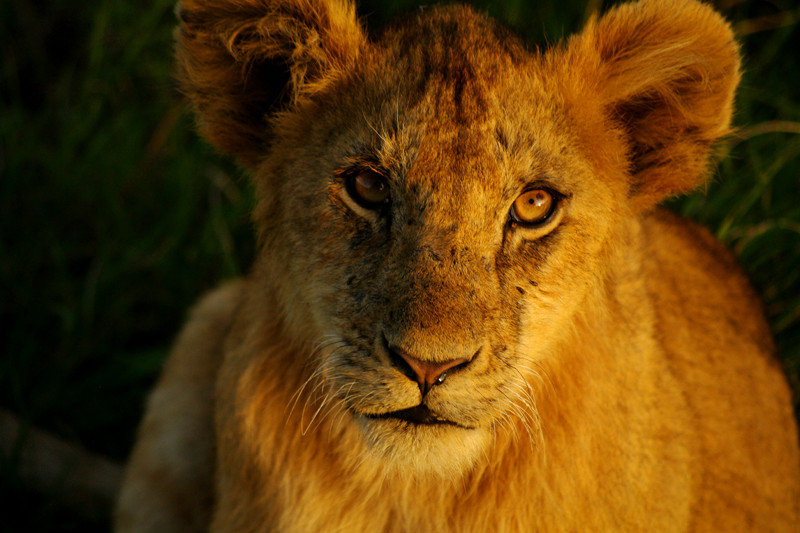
pixel 115 217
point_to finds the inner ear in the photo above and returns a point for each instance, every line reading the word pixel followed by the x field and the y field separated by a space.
pixel 265 81
pixel 243 128
pixel 650 129
pixel 670 133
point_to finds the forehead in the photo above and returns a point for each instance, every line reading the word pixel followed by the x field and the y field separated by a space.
pixel 456 58
pixel 457 90
pixel 458 67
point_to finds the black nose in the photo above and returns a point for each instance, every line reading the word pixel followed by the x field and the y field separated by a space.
pixel 425 373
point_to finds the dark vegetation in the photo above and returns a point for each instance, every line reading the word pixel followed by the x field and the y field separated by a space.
pixel 115 216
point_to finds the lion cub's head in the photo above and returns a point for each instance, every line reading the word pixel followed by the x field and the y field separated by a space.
pixel 438 203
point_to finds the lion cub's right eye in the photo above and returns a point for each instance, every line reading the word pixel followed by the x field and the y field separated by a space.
pixel 368 189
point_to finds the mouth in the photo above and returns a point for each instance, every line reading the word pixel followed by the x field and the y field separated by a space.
pixel 418 440
pixel 419 415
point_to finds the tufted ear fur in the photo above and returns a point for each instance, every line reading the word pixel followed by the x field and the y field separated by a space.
pixel 664 72
pixel 240 60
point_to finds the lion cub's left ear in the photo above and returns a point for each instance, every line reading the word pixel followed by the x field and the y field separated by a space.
pixel 665 73
pixel 240 62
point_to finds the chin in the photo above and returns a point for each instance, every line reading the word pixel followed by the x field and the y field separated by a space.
pixel 441 449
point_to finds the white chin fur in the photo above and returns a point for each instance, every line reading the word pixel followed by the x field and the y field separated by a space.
pixel 446 451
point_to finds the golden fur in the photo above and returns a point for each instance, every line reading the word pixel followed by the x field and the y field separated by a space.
pixel 619 373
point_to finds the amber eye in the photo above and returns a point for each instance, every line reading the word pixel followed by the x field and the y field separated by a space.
pixel 369 189
pixel 533 207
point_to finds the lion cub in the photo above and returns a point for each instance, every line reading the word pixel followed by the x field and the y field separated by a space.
pixel 467 313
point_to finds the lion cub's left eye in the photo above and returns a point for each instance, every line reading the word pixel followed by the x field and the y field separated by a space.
pixel 534 207
pixel 367 188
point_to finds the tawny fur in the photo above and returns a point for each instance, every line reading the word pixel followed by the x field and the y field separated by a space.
pixel 622 378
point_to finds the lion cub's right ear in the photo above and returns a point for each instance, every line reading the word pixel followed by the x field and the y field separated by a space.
pixel 239 61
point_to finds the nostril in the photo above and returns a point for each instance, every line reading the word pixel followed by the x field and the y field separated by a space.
pixel 400 362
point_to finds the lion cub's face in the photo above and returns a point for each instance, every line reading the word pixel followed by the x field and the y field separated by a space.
pixel 438 206
pixel 438 221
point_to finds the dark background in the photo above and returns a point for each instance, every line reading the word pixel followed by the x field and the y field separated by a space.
pixel 115 216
